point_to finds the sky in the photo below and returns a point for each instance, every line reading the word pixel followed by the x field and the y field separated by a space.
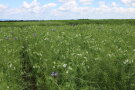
pixel 66 9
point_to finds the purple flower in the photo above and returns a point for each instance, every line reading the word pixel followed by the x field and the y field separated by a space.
pixel 34 34
pixel 52 29
pixel 54 74
pixel 15 38
pixel 6 38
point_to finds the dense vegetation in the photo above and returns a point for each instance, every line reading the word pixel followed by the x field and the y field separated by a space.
pixel 67 55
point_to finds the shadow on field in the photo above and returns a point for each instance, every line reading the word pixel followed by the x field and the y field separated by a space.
pixel 28 77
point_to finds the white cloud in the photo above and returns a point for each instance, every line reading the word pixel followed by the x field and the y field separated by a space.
pixel 34 3
pixel 129 2
pixel 67 9
pixel 50 5
pixel 33 10
pixel 35 7
pixel 103 11
pixel 65 1
pixel 114 4
pixel 86 2
pixel 2 6
pixel 69 6
pixel 102 4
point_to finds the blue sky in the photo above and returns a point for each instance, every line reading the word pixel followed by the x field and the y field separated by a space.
pixel 17 3
pixel 67 9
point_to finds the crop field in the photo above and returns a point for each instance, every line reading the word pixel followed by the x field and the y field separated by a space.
pixel 67 55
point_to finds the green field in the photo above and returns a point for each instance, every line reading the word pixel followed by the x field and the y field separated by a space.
pixel 67 55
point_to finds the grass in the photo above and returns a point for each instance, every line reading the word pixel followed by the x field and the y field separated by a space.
pixel 67 55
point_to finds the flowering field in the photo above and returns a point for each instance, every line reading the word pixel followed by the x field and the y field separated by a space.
pixel 67 55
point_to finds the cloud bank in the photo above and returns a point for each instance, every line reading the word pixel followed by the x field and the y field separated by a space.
pixel 69 9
